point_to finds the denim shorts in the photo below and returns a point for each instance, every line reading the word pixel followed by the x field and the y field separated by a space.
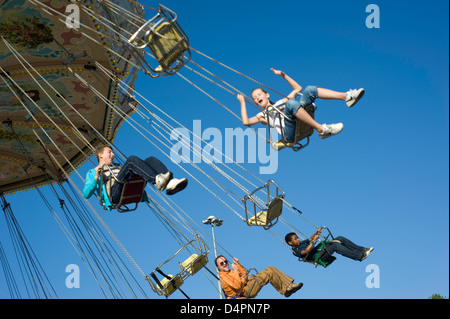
pixel 292 106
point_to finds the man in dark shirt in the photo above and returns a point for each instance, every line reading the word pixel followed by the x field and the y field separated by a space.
pixel 306 249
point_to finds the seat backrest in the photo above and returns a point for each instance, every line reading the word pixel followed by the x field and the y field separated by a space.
pixel 133 190
pixel 167 44
pixel 269 217
pixel 194 263
pixel 303 130
pixel 321 257
pixel 275 208
pixel 170 285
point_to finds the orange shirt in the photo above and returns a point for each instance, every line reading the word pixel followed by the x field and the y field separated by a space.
pixel 233 281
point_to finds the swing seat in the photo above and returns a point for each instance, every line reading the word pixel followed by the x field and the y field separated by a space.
pixel 264 215
pixel 168 286
pixel 163 36
pixel 325 263
pixel 169 47
pixel 321 256
pixel 302 131
pixel 269 217
pixel 132 190
pixel 194 263
pixel 132 193
pixel 189 267
pixel 320 259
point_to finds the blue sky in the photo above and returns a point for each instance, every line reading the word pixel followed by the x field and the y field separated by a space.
pixel 382 182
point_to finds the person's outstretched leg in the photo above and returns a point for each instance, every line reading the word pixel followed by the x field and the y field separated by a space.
pixel 328 94
pixel 346 248
pixel 279 280
pixel 163 179
pixel 324 130
pixel 156 165
pixel 348 243
pixel 134 166
pixel 350 97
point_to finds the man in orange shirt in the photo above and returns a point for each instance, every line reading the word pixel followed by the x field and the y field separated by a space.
pixel 236 282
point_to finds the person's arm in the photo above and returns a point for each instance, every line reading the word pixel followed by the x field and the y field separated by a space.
pixel 296 88
pixel 316 235
pixel 237 267
pixel 313 239
pixel 92 180
pixel 245 119
pixel 308 248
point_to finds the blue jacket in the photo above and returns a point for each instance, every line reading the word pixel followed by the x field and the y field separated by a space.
pixel 93 186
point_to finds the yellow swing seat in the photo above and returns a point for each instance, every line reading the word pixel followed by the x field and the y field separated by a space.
pixel 302 131
pixel 270 216
pixel 168 286
pixel 189 267
pixel 168 46
pixel 168 43
pixel 194 263
pixel 267 215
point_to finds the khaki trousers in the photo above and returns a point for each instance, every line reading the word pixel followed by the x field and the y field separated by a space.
pixel 279 280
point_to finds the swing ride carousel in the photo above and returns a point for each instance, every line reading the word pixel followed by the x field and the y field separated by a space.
pixel 66 89
pixel 55 90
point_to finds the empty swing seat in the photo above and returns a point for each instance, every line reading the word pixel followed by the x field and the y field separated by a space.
pixel 168 43
pixel 168 286
pixel 168 46
pixel 189 267
pixel 267 214
pixel 194 263
pixel 268 217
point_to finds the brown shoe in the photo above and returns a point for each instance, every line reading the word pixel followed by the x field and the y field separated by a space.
pixel 293 289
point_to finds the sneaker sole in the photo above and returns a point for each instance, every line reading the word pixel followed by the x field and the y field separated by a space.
pixel 353 101
pixel 182 185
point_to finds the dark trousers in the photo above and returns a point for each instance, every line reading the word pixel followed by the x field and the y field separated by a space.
pixel 346 248
pixel 134 166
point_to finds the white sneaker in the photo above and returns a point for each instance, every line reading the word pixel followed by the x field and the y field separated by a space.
pixel 161 180
pixel 330 130
pixel 176 185
pixel 353 96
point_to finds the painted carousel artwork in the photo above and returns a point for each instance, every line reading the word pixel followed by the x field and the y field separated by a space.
pixel 60 87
